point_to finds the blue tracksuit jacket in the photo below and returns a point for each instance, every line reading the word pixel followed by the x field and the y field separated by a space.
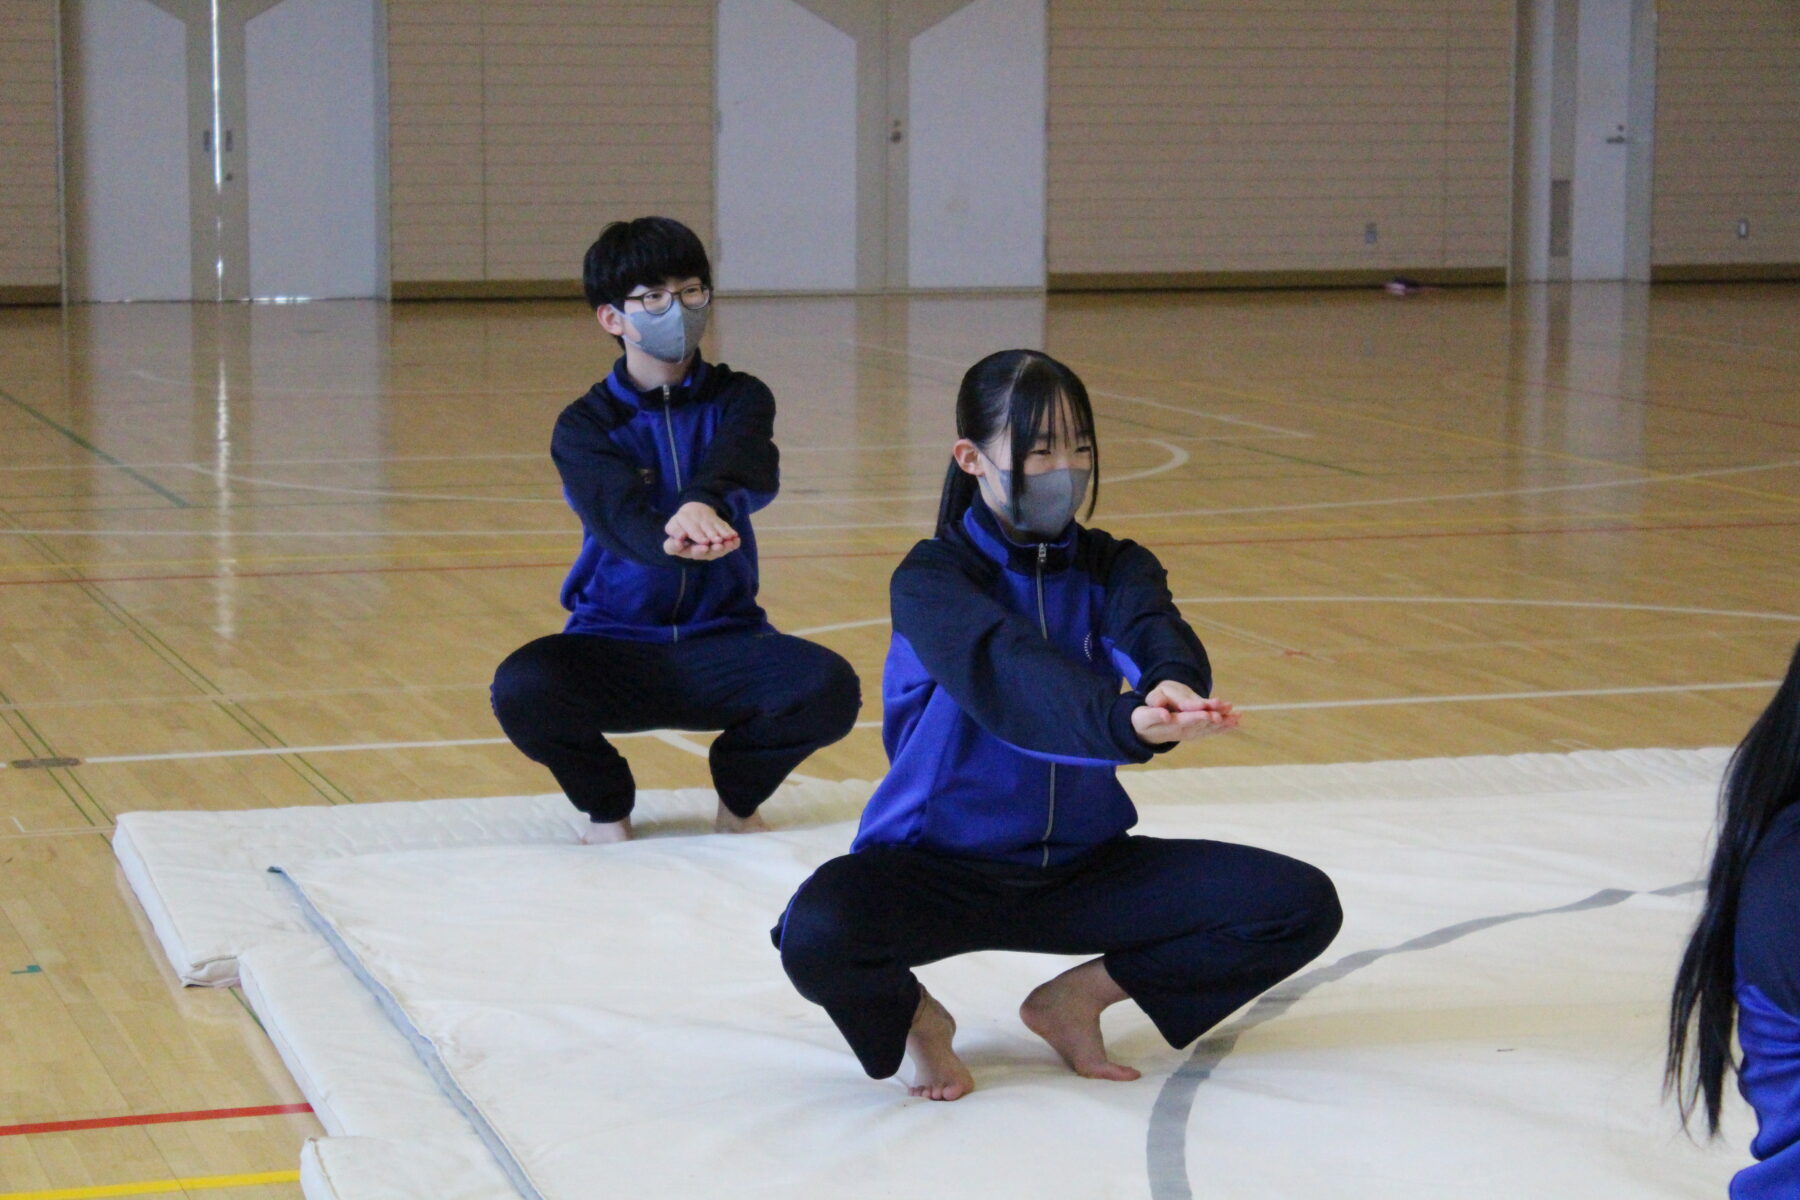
pixel 1003 715
pixel 628 460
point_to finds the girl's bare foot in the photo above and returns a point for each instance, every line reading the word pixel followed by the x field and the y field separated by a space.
pixel 602 832
pixel 937 1074
pixel 726 821
pixel 1066 1013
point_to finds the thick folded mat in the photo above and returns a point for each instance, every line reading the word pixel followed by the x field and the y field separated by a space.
pixel 365 1168
pixel 359 1074
pixel 1488 1024
pixel 201 876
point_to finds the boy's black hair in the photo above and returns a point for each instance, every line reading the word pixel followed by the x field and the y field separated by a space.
pixel 647 251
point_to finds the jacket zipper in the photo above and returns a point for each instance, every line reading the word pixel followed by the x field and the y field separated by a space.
pixel 1044 628
pixel 675 461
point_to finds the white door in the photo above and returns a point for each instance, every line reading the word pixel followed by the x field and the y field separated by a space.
pixel 127 159
pixel 164 101
pixel 975 160
pixel 880 144
pixel 1583 139
pixel 314 129
pixel 786 165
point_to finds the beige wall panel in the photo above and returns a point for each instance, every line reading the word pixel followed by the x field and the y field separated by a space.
pixel 30 221
pixel 520 128
pixel 1727 133
pixel 1265 135
pixel 438 230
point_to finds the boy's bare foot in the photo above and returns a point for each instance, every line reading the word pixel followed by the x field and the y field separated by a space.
pixel 937 1074
pixel 726 821
pixel 602 832
pixel 1066 1013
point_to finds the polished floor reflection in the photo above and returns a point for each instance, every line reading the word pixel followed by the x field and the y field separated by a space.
pixel 270 555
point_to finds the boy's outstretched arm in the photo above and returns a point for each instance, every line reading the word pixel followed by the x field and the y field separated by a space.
pixel 742 456
pixel 607 491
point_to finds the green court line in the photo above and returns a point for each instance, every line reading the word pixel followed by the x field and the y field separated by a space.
pixel 40 747
pixel 96 451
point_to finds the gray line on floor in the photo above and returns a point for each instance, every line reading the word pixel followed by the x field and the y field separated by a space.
pixel 1166 1145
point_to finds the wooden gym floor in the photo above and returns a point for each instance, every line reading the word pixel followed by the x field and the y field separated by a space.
pixel 270 555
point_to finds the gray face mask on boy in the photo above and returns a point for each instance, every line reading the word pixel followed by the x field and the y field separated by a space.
pixel 1049 502
pixel 669 336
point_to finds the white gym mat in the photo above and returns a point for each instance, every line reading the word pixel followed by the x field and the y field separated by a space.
pixel 201 877
pixel 1488 1024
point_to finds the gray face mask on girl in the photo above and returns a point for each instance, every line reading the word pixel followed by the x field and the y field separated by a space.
pixel 670 336
pixel 1049 502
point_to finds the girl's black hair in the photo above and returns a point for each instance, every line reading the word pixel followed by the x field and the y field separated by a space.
pixel 1031 394
pixel 1762 779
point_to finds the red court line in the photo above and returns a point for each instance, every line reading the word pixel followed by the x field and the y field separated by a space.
pixel 173 1118
pixel 1397 537
pixel 563 564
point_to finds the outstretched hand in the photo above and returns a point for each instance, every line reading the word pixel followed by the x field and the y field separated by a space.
pixel 699 534
pixel 1174 712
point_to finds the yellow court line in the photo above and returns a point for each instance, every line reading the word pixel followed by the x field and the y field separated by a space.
pixel 202 1183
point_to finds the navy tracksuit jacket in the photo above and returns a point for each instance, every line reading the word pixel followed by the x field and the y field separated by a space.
pixel 656 642
pixel 628 459
pixel 1001 825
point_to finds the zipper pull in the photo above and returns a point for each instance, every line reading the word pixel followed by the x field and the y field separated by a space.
pixel 1043 553
pixel 665 388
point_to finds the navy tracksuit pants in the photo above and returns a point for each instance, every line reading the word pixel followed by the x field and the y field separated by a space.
pixel 1192 930
pixel 777 699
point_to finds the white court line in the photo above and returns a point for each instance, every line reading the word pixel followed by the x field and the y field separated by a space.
pixel 663 735
pixel 281 462
pixel 1389 502
pixel 1177 459
pixel 1502 601
pixel 1477 697
pixel 1311 506
pixel 378 493
pixel 675 739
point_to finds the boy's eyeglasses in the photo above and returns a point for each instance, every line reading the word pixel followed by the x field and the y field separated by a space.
pixel 657 301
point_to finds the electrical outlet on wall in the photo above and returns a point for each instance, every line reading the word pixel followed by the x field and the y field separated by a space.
pixel 1743 227
pixel 1370 237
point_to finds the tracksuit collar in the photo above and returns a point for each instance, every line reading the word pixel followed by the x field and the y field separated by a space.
pixel 619 383
pixel 983 531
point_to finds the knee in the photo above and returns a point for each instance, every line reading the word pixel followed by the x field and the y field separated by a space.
pixel 833 692
pixel 1318 914
pixel 821 928
pixel 522 685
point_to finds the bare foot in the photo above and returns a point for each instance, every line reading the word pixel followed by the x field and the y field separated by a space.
pixel 1066 1013
pixel 937 1074
pixel 726 821
pixel 599 833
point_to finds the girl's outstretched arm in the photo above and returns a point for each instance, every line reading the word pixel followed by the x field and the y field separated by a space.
pixel 999 668
pixel 1141 621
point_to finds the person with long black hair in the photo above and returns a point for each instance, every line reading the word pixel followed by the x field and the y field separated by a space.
pixel 1743 961
pixel 1030 657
